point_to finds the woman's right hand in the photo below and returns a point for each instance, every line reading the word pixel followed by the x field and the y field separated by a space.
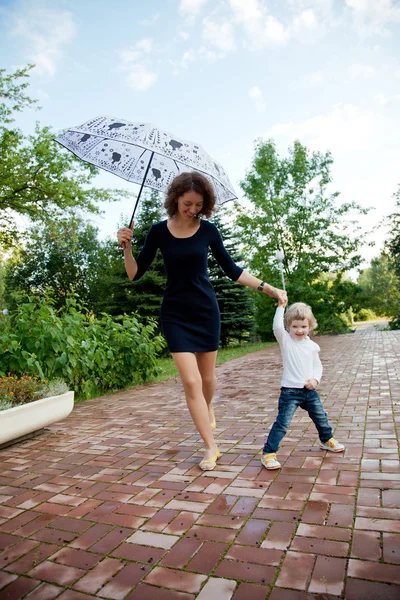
pixel 124 236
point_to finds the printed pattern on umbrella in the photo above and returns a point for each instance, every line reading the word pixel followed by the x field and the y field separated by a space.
pixel 125 149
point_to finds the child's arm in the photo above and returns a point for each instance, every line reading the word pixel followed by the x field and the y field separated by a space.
pixel 278 324
pixel 312 383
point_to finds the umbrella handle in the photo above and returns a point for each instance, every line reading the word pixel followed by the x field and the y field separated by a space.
pixel 122 246
pixel 140 191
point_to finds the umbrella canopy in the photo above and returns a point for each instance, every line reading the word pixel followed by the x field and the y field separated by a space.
pixel 143 154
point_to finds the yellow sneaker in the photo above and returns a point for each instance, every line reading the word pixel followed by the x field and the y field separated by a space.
pixel 332 445
pixel 269 461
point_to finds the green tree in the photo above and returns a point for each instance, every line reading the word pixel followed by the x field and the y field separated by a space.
pixel 393 243
pixel 114 292
pixel 58 259
pixel 37 178
pixel 291 209
pixel 380 284
pixel 235 302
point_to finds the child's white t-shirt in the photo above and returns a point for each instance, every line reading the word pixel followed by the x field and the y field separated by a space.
pixel 300 358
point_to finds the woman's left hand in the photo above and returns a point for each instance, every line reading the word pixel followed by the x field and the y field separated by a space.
pixel 281 296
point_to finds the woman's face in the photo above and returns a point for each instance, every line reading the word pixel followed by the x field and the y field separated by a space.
pixel 189 205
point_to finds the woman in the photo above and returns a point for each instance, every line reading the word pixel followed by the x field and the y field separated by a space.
pixel 190 315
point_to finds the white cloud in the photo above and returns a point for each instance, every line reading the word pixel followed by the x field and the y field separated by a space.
pixel 256 95
pixel 184 35
pixel 44 32
pixel 191 8
pixel 316 78
pixel 137 64
pixel 219 35
pixel 359 70
pixel 140 78
pixel 373 17
pixel 262 29
pixel 183 64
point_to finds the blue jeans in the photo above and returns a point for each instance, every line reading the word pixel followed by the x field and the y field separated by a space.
pixel 289 400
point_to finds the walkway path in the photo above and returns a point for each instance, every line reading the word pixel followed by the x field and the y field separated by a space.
pixel 111 503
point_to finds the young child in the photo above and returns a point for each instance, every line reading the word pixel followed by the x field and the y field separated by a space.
pixel 302 371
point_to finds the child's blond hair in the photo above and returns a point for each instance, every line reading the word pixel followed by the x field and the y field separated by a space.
pixel 298 312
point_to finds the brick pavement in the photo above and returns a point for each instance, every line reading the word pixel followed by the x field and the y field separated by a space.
pixel 111 503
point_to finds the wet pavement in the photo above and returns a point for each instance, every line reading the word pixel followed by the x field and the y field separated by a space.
pixel 110 503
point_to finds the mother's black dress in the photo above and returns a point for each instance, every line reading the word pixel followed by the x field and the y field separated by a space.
pixel 190 315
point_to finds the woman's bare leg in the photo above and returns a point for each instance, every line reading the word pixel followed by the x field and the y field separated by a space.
pixel 206 363
pixel 187 366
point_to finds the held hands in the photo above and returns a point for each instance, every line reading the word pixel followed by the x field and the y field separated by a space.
pixel 124 236
pixel 311 384
pixel 282 298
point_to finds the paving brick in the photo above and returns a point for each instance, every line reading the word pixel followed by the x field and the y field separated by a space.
pixel 296 571
pixel 18 588
pixel 32 558
pixel 279 536
pixel 207 557
pixel 374 571
pixel 357 589
pixel 261 556
pixel 99 576
pixel 149 592
pixel 217 589
pixel 181 523
pixel 318 546
pixel 58 574
pixel 157 540
pixel 111 540
pixel 176 580
pixel 45 591
pixel 245 571
pixel 366 545
pixel 92 535
pixel 181 553
pixel 211 534
pixel 247 591
pixel 253 532
pixel 328 575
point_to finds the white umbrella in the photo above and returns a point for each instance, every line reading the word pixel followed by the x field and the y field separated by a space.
pixel 143 154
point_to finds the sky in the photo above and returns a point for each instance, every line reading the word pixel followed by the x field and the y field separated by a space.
pixel 224 73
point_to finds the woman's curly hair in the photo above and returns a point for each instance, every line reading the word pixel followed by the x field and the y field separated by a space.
pixel 187 182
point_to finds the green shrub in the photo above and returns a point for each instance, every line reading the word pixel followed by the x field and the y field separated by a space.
pixel 88 353
pixel 56 387
pixel 365 314
pixel 332 323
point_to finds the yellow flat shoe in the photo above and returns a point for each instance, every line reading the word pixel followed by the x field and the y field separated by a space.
pixel 213 424
pixel 208 464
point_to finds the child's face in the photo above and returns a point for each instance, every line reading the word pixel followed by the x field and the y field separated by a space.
pixel 299 329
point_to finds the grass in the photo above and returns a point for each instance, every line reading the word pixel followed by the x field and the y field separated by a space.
pixel 168 369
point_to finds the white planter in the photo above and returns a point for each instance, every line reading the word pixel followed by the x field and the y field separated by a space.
pixel 21 420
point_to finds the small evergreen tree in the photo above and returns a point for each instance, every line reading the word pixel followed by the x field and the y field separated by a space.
pixel 115 293
pixel 235 301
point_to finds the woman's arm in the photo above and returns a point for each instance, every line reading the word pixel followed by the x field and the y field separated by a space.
pixel 253 282
pixel 136 268
pixel 124 236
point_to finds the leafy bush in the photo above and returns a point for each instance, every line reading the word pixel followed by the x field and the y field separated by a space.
pixel 53 388
pixel 90 354
pixel 332 323
pixel 365 314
